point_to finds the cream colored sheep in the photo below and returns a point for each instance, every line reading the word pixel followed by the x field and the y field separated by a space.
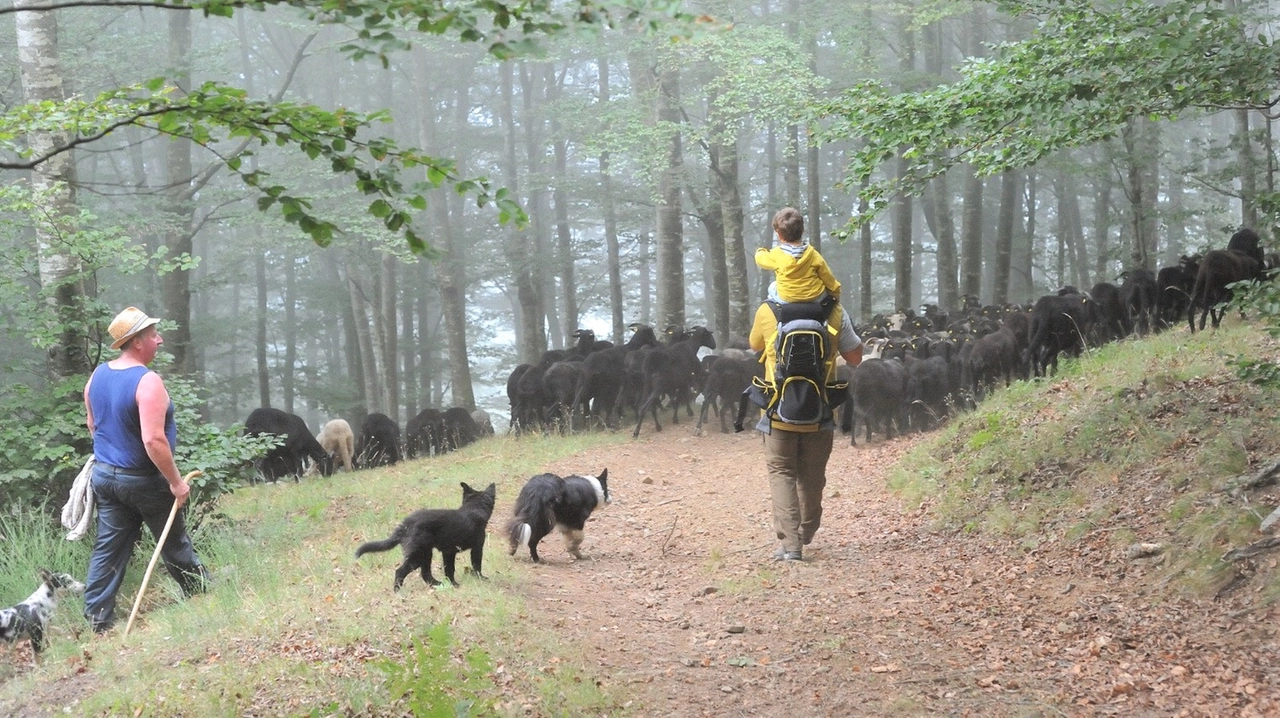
pixel 338 441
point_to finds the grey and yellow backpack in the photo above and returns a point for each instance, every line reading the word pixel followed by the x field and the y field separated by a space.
pixel 802 391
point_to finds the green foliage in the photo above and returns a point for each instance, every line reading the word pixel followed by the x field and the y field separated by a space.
pixel 434 683
pixel 1260 299
pixel 224 455
pixel 43 443
pixel 1084 72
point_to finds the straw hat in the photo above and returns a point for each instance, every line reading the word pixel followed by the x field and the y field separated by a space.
pixel 127 324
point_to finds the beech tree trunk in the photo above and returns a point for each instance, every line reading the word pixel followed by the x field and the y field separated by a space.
pixel 54 180
pixel 613 251
pixel 670 222
pixel 530 335
pixel 741 311
pixel 1010 202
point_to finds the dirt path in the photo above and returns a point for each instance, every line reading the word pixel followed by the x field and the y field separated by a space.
pixel 683 609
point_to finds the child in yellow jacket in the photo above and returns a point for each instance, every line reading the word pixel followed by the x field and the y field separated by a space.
pixel 802 274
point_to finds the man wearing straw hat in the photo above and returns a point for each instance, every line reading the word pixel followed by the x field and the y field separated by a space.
pixel 135 479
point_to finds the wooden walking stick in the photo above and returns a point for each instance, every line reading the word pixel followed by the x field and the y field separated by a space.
pixel 155 555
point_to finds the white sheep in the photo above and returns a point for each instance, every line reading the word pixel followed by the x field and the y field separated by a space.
pixel 337 440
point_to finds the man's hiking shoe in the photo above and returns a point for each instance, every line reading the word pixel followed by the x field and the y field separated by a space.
pixel 784 555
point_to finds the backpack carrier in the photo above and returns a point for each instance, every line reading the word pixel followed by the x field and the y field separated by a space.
pixel 798 392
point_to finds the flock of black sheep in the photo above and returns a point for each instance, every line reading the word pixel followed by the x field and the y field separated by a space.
pixel 917 367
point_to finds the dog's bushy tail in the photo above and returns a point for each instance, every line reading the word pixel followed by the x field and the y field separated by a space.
pixel 519 535
pixel 375 546
pixel 535 512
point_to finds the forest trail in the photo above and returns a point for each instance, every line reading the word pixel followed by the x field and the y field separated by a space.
pixel 681 608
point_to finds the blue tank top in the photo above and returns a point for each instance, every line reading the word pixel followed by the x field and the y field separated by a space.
pixel 117 431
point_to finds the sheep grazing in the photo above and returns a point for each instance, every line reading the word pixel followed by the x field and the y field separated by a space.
pixel 338 441
pixel 379 441
pixel 424 433
pixel 298 444
pixel 459 428
pixel 1218 269
pixel 483 422
pixel 1141 296
pixel 1110 312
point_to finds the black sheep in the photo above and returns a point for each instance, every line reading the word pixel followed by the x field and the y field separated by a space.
pixel 379 441
pixel 1110 313
pixel 672 371
pixel 460 429
pixel 298 444
pixel 604 376
pixel 1058 324
pixel 424 434
pixel 726 379
pixel 1141 296
pixel 878 388
pixel 1218 269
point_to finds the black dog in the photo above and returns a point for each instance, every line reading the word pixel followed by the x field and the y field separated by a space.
pixel 31 617
pixel 548 501
pixel 448 530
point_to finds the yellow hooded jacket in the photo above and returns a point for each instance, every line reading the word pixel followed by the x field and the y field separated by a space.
pixel 800 279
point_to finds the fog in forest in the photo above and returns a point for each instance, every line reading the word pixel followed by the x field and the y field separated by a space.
pixel 648 170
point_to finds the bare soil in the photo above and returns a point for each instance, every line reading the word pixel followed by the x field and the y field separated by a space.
pixel 683 611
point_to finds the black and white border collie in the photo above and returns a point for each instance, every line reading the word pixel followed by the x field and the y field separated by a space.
pixel 31 617
pixel 550 502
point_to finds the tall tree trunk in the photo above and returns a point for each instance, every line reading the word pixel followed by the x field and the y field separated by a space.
pixel 1010 203
pixel 1137 191
pixel 942 223
pixel 564 238
pixel 670 221
pixel 711 212
pixel 1024 244
pixel 771 203
pixel 1248 170
pixel 740 309
pixel 539 220
pixel 386 324
pixel 290 373
pixel 903 234
pixel 176 284
pixel 452 275
pixel 645 250
pixel 1070 202
pixel 41 70
pixel 260 323
pixel 409 344
pixel 613 252
pixel 1102 219
pixel 864 245
pixel 1175 220
pixel 359 296
pixel 530 335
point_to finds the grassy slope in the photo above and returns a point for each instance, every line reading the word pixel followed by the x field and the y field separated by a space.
pixel 295 623
pixel 1140 439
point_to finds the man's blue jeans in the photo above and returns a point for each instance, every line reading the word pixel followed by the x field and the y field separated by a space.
pixel 126 499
